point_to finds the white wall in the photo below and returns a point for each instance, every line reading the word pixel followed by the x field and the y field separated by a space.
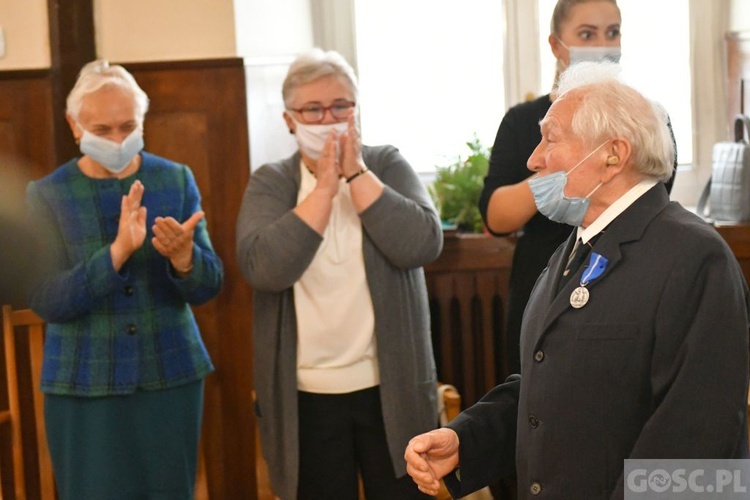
pixel 164 30
pixel 24 24
pixel 739 17
pixel 127 31
pixel 272 28
pixel 269 35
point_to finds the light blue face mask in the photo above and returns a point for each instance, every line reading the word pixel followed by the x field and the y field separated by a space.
pixel 593 53
pixel 109 154
pixel 550 199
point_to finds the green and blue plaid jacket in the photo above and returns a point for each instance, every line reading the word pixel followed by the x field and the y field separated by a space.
pixel 111 333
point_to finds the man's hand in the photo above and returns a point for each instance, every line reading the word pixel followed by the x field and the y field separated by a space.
pixel 430 457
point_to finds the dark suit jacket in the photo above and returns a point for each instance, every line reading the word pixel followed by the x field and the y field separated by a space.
pixel 655 365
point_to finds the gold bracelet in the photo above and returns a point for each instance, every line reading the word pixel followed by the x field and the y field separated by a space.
pixel 354 176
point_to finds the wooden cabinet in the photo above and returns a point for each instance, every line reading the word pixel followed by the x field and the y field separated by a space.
pixel 738 238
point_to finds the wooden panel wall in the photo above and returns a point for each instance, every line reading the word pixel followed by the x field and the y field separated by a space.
pixel 738 238
pixel 198 116
pixel 26 134
pixel 26 152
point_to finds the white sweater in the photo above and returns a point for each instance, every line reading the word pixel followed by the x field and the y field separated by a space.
pixel 336 351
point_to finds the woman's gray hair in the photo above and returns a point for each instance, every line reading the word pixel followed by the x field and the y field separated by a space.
pixel 314 65
pixel 97 74
pixel 610 108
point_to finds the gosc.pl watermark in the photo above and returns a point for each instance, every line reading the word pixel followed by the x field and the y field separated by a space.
pixel 682 479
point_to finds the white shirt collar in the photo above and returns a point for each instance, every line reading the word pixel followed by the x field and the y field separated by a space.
pixel 615 209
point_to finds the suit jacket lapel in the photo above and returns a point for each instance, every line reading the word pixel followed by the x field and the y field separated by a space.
pixel 627 227
pixel 557 264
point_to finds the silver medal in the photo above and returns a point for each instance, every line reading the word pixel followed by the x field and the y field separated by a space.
pixel 579 297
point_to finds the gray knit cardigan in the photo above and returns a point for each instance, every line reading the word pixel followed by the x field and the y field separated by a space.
pixel 401 233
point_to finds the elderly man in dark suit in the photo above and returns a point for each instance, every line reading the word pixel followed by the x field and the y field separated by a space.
pixel 635 340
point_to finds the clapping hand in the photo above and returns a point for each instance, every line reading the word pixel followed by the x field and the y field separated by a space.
pixel 131 231
pixel 174 240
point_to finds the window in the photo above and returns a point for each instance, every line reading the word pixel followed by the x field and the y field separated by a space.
pixel 655 59
pixel 430 74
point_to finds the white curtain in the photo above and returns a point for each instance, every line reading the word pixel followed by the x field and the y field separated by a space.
pixel 709 22
pixel 334 28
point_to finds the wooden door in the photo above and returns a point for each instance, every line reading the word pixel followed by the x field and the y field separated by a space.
pixel 198 116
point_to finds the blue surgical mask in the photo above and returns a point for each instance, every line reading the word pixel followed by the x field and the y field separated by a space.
pixel 592 53
pixel 550 199
pixel 109 154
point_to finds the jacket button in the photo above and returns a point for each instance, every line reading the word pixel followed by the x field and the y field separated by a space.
pixel 536 488
pixel 533 422
pixel 128 290
pixel 539 356
pixel 131 329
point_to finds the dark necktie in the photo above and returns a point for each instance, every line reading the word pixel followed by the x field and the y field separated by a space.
pixel 579 254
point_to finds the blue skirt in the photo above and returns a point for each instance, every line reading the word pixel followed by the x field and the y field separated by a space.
pixel 143 445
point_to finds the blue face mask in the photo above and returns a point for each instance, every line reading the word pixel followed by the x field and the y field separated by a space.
pixel 595 53
pixel 550 199
pixel 109 154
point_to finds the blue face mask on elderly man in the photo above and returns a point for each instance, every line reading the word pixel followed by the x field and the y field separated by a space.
pixel 550 199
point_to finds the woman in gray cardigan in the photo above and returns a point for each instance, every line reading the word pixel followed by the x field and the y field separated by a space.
pixel 333 241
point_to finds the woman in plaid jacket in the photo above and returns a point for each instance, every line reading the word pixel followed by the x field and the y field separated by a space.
pixel 124 362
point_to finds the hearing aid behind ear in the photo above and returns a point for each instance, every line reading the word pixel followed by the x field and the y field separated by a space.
pixel 613 160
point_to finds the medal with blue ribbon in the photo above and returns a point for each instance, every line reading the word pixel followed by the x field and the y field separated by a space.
pixel 597 265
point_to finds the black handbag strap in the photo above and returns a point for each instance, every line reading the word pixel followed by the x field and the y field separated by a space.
pixel 739 121
pixel 701 209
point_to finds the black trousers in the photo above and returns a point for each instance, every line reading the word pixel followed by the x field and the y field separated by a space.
pixel 340 435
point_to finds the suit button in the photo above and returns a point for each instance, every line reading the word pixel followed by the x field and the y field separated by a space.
pixel 132 329
pixel 536 488
pixel 533 422
pixel 539 356
pixel 128 290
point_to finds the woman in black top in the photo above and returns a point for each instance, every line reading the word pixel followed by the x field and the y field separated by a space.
pixel 580 30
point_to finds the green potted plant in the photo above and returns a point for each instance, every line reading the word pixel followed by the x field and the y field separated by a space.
pixel 457 187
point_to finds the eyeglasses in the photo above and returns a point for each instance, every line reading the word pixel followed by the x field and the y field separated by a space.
pixel 314 112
